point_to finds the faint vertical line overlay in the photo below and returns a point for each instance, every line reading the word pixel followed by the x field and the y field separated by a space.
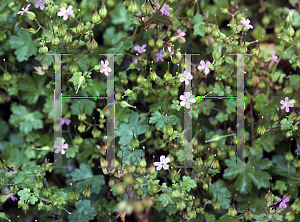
pixel 110 121
pixel 58 110
pixel 240 124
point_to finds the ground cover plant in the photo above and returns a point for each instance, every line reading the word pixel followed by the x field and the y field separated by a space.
pixel 172 63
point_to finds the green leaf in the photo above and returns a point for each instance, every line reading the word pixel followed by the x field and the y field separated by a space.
pixel 32 88
pixel 243 182
pixel 226 218
pixel 230 105
pixel 210 217
pixel 171 209
pixel 199 28
pixel 130 156
pixel 197 18
pixel 71 151
pixel 119 15
pixel 84 212
pixel 83 176
pixel 162 19
pixel 286 123
pixel 121 48
pixel 24 194
pixel 294 77
pixel 4 129
pixel 166 199
pixel 135 127
pixel 220 191
pixel 187 183
pixel 296 20
pixel 4 3
pixel 281 186
pixel 122 115
pixel 29 121
pixel 76 78
pixel 266 142
pixel 95 88
pixel 49 107
pixel 111 37
pixel 23 44
pixel 82 105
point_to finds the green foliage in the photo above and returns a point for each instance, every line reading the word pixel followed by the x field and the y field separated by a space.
pixel 25 120
pixel 24 45
pixel 84 211
pixel 221 194
pixel 161 120
pixel 187 183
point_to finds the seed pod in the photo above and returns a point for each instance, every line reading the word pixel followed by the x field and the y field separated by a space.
pixel 103 12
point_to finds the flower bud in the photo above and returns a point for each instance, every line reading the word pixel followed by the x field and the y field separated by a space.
pixel 151 170
pixel 190 13
pixel 146 8
pixel 143 163
pixel 119 189
pixel 96 18
pixel 147 202
pixel 135 143
pixel 296 163
pixel 6 77
pixel 159 43
pixel 205 186
pixel 217 54
pixel 180 206
pixel 126 4
pixel 216 205
pixel 192 214
pixel 208 29
pixel 81 128
pixel 78 140
pixel 289 157
pixel 43 50
pixel 168 77
pixel 103 12
pixel 87 192
pixel 248 215
pixel 55 40
pixel 232 211
pixel 266 20
pixel 216 33
pixel 153 75
pixel 261 130
pixel 91 45
pixel 288 19
pixel 151 42
pixel 82 117
pixel 128 179
pixel 73 68
pixel 133 8
pixel 243 49
pixel 140 79
pixel 261 85
pixel 290 31
pixel 274 117
pixel 68 38
pixel 147 84
pixel 31 15
pixel 25 207
pixel 61 31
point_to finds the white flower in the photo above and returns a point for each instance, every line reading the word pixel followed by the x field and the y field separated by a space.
pixel 65 12
pixel 186 77
pixel 60 147
pixel 104 68
pixel 163 163
pixel 203 65
pixel 187 100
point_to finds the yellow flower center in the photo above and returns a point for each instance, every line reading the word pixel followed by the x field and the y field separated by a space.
pixel 285 105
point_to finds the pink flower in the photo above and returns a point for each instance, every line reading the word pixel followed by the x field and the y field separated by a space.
pixel 181 34
pixel 292 11
pixel 65 120
pixel 187 99
pixel 40 3
pixel 246 23
pixel 274 57
pixel 104 68
pixel 160 55
pixel 170 51
pixel 135 60
pixel 163 163
pixel 204 66
pixel 24 10
pixel 164 10
pixel 60 147
pixel 11 195
pixel 186 77
pixel 286 104
pixel 140 49
pixel 283 201
pixel 65 12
